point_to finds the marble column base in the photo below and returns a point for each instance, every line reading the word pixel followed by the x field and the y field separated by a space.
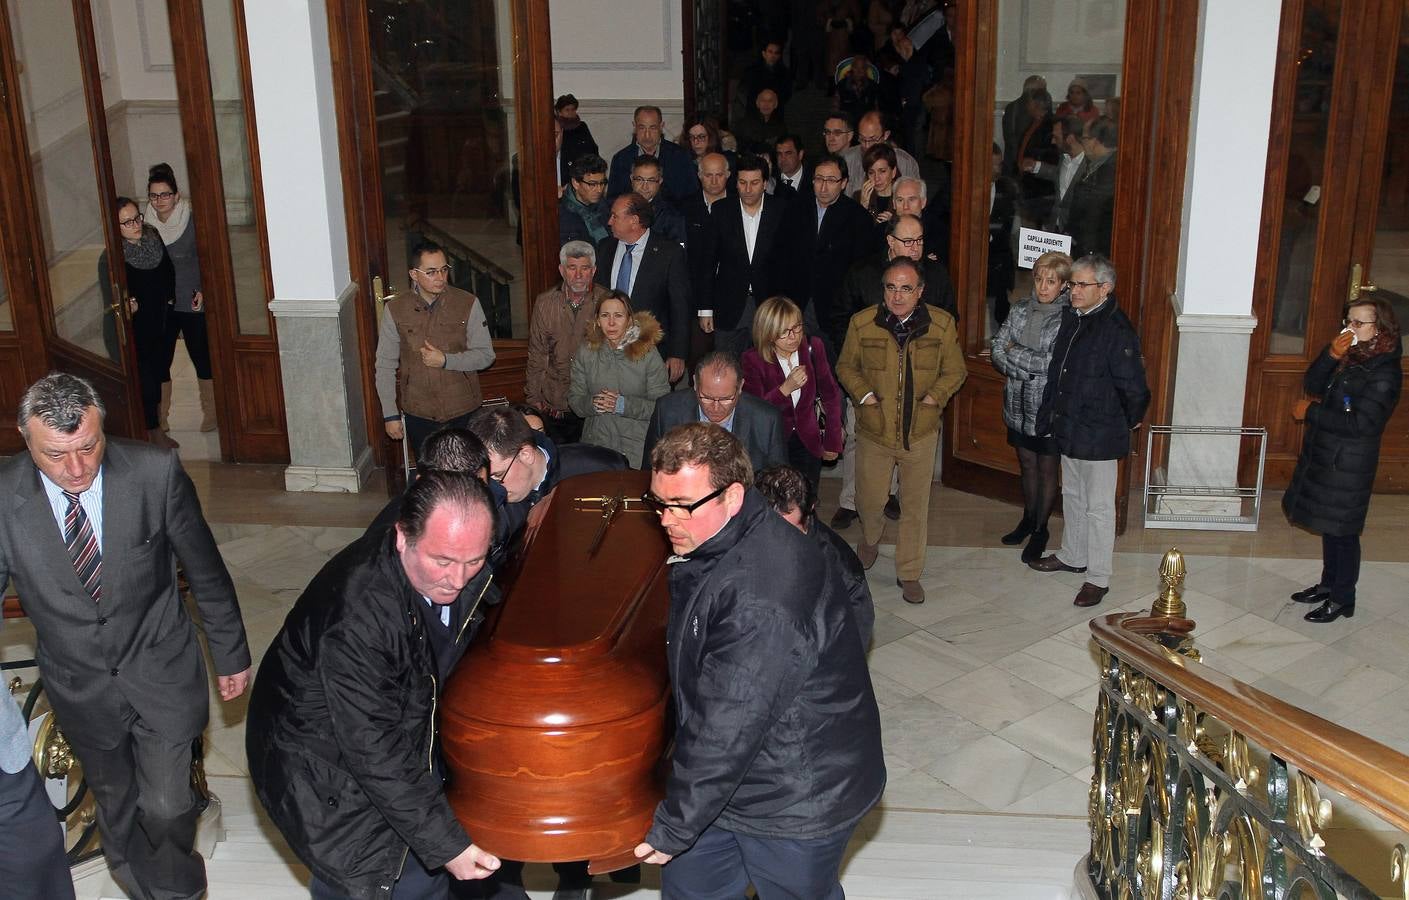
pixel 330 479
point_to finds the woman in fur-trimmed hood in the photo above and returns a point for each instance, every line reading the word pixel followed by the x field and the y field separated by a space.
pixel 617 376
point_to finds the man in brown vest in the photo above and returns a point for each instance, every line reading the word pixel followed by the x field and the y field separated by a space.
pixel 432 340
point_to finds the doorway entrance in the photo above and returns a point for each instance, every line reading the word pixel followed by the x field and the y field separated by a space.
pixel 1335 221
pixel 97 91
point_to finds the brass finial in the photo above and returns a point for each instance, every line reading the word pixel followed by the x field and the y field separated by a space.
pixel 1170 604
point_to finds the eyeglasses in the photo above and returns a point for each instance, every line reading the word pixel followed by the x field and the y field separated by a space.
pixel 718 401
pixel 909 243
pixel 599 183
pixel 836 132
pixel 642 179
pixel 679 510
pixel 905 290
pixel 869 141
pixel 827 179
pixel 701 136
pixel 164 195
pixel 1086 284
pixel 431 273
pixel 791 332
pixel 1356 323
pixel 504 474
pixel 135 220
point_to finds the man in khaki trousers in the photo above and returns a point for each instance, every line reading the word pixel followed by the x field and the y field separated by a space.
pixel 900 363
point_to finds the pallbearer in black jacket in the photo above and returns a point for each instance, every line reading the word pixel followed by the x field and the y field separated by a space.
pixel 341 730
pixel 778 740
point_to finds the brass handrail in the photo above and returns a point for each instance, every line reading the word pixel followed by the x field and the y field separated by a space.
pixel 1364 770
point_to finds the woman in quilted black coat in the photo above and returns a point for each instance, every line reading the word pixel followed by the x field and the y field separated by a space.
pixel 1353 386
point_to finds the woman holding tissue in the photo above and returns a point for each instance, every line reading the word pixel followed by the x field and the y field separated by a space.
pixel 1352 388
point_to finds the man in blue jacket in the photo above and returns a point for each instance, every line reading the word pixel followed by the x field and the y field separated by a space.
pixel 778 739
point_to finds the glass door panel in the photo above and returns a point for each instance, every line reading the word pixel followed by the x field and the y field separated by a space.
pixel 226 59
pixel 71 207
pixel 1390 263
pixel 1058 71
pixel 443 80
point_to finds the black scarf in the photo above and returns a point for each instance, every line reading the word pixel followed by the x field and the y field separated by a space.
pixel 146 254
pixel 917 324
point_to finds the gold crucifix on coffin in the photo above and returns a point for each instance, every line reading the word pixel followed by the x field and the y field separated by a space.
pixel 609 506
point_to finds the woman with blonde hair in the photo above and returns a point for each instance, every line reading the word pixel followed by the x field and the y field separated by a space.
pixel 790 370
pixel 617 376
pixel 1022 349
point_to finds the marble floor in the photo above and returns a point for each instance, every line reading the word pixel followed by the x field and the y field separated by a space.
pixel 986 690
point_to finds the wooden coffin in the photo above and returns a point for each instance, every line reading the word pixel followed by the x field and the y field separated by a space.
pixel 554 724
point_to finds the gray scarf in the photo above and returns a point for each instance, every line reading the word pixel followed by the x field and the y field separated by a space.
pixel 146 253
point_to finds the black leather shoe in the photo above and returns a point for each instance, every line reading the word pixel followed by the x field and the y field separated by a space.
pixel 892 510
pixel 1330 611
pixel 1314 594
pixel 1019 534
pixel 1052 564
pixel 1036 546
pixel 842 518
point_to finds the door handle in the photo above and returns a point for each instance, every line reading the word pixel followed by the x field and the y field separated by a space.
pixel 380 296
pixel 1358 287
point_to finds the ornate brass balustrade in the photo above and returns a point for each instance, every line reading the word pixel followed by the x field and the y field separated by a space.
pixel 1204 787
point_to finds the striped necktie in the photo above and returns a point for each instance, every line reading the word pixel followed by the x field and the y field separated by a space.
pixel 82 545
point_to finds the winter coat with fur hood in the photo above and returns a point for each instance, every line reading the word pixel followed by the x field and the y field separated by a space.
pixel 634 370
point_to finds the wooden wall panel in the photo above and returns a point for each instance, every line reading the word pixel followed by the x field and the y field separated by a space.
pixel 12 386
pixel 505 379
pixel 260 404
pixel 981 437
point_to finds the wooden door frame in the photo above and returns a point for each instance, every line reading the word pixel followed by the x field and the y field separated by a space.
pixel 249 391
pixel 1156 87
pixel 361 178
pixel 1360 92
pixel 35 339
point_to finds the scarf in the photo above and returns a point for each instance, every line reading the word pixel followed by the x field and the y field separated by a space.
pixel 175 226
pixel 146 254
pixel 1385 340
pixel 632 335
pixel 591 216
pixel 917 324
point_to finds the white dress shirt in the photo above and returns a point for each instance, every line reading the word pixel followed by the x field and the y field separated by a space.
pixel 788 365
pixel 751 226
pixel 91 500
pixel 638 251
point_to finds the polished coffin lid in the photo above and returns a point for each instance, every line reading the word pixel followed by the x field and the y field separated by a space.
pixel 554 725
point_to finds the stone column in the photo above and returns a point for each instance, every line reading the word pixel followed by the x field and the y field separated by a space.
pixel 291 72
pixel 1226 165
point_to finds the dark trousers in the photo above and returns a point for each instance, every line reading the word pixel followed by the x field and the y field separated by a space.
pixel 800 458
pixel 722 863
pixel 1340 566
pixel 418 429
pixel 191 326
pixel 153 362
pixel 415 883
pixel 32 861
pixel 147 812
pixel 564 429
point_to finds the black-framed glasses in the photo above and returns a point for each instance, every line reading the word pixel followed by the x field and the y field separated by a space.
pixel 594 184
pixel 909 242
pixel 679 510
pixel 499 477
pixel 642 179
pixel 1085 284
pixel 135 220
pixel 905 290
pixel 164 195
pixel 836 132
pixel 791 332
pixel 431 273
pixel 827 179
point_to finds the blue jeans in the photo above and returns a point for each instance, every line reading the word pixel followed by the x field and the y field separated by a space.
pixel 722 863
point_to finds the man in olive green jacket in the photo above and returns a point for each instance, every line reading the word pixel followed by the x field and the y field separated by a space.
pixel 900 363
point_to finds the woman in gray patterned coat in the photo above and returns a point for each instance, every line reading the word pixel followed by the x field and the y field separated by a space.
pixel 1022 350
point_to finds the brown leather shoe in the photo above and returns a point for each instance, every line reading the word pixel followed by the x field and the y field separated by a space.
pixel 911 591
pixel 867 553
pixel 1090 595
pixel 1050 563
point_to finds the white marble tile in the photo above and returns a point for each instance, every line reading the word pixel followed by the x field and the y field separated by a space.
pixel 1047 675
pixel 1382 646
pixel 1068 797
pixel 921 661
pixel 1059 734
pixel 991 697
pixel 889 627
pixel 988 633
pixel 919 731
pixel 1339 679
pixel 914 789
pixel 994 772
pixel 889 691
pixel 1258 643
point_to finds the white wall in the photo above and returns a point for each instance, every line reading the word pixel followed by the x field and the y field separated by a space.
pixel 615 55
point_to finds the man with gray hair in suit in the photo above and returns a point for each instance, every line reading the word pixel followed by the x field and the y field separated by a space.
pixel 91 536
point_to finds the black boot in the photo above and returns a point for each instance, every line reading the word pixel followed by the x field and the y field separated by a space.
pixel 1036 546
pixel 1019 534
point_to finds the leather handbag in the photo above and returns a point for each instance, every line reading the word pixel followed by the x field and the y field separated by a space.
pixel 818 409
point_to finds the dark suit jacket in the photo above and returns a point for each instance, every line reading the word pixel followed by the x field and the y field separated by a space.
pixel 662 286
pixel 669 221
pixel 726 271
pixel 804 186
pixel 679 175
pixel 1091 200
pixel 138 645
pixel 815 262
pixel 757 425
